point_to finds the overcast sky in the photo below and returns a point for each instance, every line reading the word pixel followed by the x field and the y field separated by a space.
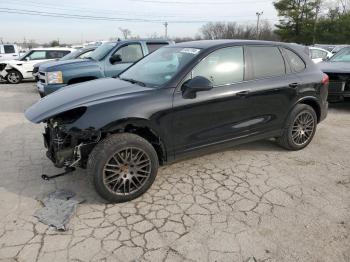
pixel 185 17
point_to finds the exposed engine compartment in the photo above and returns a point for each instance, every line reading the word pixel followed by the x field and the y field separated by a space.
pixel 68 148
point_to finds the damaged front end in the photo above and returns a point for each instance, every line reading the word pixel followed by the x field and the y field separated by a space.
pixel 69 147
pixel 3 72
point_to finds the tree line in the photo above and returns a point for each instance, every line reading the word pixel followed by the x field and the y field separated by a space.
pixel 313 21
pixel 300 21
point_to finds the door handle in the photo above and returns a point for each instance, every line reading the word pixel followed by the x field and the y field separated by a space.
pixel 242 93
pixel 294 85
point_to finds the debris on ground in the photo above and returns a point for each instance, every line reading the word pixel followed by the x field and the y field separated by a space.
pixel 59 207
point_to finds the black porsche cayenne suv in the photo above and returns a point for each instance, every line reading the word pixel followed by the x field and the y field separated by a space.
pixel 180 101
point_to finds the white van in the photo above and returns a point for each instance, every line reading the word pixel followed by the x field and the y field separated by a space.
pixel 8 52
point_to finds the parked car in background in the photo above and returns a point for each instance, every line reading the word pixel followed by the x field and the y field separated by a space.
pixel 80 53
pixel 338 70
pixel 108 60
pixel 329 48
pixel 178 102
pixel 14 71
pixel 318 54
pixel 8 52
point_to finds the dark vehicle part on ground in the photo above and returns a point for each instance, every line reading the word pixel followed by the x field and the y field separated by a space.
pixel 181 101
pixel 59 207
pixel 338 70
pixel 108 60
pixel 78 54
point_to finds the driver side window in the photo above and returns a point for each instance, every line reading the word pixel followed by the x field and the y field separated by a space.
pixel 130 53
pixel 222 67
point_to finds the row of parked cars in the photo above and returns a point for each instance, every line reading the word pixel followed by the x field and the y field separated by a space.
pixel 155 102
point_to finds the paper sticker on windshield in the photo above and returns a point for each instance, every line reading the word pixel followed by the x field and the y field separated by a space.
pixel 193 51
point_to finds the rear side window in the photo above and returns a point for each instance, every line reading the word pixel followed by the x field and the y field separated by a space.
pixel 222 67
pixel 265 61
pixel 56 54
pixel 154 46
pixel 295 61
pixel 9 49
pixel 315 53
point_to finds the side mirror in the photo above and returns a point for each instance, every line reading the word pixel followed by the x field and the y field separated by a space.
pixel 27 58
pixel 115 58
pixel 194 85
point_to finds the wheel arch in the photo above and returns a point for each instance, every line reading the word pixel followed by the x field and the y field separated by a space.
pixel 314 103
pixel 10 67
pixel 144 129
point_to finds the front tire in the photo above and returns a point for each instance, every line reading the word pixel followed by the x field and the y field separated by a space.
pixel 123 167
pixel 14 77
pixel 300 128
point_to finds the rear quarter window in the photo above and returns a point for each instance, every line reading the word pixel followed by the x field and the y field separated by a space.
pixel 265 61
pixel 295 61
pixel 154 46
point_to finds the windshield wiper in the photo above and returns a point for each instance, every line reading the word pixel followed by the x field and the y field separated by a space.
pixel 133 81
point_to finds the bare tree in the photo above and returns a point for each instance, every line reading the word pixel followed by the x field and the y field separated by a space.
pixel 232 30
pixel 126 32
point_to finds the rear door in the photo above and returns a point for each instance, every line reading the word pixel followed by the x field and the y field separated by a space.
pixel 272 87
pixel 129 53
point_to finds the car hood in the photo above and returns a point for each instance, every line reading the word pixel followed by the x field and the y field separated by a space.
pixel 61 65
pixel 82 95
pixel 335 67
pixel 45 63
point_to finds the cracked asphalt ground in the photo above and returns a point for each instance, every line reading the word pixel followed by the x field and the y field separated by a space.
pixel 255 201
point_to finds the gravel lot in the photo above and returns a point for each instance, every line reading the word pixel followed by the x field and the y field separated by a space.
pixel 255 201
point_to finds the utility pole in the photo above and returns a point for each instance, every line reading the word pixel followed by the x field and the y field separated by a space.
pixel 258 14
pixel 166 30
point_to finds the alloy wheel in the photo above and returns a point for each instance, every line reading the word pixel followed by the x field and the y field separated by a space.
pixel 303 128
pixel 13 77
pixel 127 171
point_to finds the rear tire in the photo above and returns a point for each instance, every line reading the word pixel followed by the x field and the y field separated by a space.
pixel 300 128
pixel 123 167
pixel 14 77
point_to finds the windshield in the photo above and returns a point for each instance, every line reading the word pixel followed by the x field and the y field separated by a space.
pixel 160 66
pixel 102 51
pixel 23 55
pixel 342 56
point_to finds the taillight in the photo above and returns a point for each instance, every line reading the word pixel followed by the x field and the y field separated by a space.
pixel 325 79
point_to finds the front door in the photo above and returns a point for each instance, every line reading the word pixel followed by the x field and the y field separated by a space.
pixel 129 54
pixel 211 115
